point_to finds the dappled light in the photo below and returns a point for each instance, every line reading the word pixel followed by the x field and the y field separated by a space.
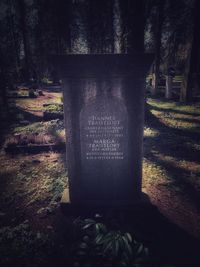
pixel 171 162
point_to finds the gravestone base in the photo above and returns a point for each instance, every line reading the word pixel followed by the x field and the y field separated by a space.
pixel 81 209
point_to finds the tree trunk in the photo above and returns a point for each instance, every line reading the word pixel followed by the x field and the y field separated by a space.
pixel 132 25
pixel 155 80
pixel 14 38
pixel 158 36
pixel 3 83
pixel 22 9
pixel 168 90
pixel 186 85
pixel 191 65
pixel 100 30
pixel 116 27
pixel 184 93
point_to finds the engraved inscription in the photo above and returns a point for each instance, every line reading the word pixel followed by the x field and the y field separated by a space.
pixel 103 133
pixel 103 136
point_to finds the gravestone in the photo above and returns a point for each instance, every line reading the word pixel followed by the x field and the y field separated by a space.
pixel 104 113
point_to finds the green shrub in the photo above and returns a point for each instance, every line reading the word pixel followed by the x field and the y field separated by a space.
pixel 99 246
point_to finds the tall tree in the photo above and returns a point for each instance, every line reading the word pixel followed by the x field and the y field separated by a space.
pixel 26 44
pixel 9 49
pixel 100 32
pixel 3 83
pixel 116 26
pixel 14 35
pixel 177 29
pixel 132 25
pixel 51 33
pixel 193 55
pixel 158 38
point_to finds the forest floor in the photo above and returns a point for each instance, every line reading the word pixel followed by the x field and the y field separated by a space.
pixel 32 225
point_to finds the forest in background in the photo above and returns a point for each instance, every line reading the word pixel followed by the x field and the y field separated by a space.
pixel 32 30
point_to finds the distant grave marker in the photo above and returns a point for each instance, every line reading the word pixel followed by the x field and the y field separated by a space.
pixel 104 110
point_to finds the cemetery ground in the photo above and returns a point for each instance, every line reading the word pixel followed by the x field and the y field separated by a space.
pixel 35 232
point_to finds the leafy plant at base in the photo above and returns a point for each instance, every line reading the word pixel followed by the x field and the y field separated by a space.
pixel 99 246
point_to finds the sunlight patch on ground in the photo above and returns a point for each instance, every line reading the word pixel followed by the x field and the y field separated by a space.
pixel 39 127
pixel 163 104
pixel 183 164
pixel 152 173
pixel 54 130
pixel 46 178
pixel 35 105
pixel 178 121
pixel 150 132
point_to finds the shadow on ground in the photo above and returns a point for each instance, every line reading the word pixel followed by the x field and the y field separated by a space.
pixel 170 148
pixel 167 243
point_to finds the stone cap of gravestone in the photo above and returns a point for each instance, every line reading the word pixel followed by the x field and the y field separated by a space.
pixel 90 65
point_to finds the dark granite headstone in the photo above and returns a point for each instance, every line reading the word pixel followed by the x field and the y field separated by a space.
pixel 104 110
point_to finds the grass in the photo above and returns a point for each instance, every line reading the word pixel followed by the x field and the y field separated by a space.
pixel 54 108
pixel 175 106
pixel 39 127
pixel 31 188
pixel 35 106
pixel 36 179
pixel 175 115
pixel 171 166
pixel 38 132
